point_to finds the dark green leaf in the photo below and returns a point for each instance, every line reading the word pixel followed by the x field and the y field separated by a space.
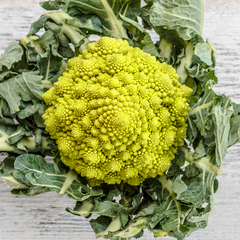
pixel 106 208
pixel 93 24
pixel 18 134
pixel 29 110
pixel 199 150
pixel 192 170
pixel 49 63
pixel 37 25
pixel 12 55
pixel 31 191
pixel 100 224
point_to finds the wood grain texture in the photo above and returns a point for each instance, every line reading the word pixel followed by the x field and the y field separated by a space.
pixel 43 217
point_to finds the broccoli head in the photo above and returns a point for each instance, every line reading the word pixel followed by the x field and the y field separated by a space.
pixel 117 113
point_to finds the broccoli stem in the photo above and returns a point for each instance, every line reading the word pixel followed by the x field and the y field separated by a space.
pixel 119 31
pixel 4 145
pixel 185 62
pixel 45 144
pixel 197 109
pixel 47 84
pixel 134 228
pixel 159 233
pixel 28 142
pixel 203 163
pixel 114 226
pixel 165 49
pixel 70 177
pixel 86 207
pixel 12 183
pixel 25 41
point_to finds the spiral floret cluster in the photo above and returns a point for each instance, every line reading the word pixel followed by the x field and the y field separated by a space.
pixel 117 113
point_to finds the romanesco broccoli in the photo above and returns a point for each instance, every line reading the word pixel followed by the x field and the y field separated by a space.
pixel 117 113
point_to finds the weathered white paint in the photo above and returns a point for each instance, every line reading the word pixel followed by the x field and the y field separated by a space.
pixel 43 217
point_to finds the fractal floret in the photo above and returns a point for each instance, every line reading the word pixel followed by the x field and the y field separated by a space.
pixel 117 113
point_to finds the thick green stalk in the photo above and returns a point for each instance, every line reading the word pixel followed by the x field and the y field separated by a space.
pixel 119 31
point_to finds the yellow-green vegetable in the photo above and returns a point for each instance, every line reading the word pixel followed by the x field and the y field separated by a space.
pixel 117 113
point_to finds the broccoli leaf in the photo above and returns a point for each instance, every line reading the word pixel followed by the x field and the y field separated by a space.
pixel 92 25
pixel 168 215
pixel 141 38
pixel 26 86
pixel 106 208
pixel 107 11
pixel 13 54
pixel 49 63
pixel 200 113
pixel 6 129
pixel 204 52
pixel 184 17
pixel 100 224
pixel 197 189
pixel 18 139
pixel 28 110
pixel 7 173
pixel 234 134
pixel 221 118
pixel 18 134
pixel 38 172
pixel 5 73
pixel 58 32
pixel 12 180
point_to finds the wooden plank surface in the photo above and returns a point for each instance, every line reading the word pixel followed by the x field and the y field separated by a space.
pixel 43 217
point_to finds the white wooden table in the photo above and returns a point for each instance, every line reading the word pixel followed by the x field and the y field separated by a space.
pixel 43 217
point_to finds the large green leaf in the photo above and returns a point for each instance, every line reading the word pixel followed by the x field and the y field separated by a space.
pixel 183 16
pixel 93 24
pixel 58 32
pixel 12 180
pixel 107 11
pixel 40 173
